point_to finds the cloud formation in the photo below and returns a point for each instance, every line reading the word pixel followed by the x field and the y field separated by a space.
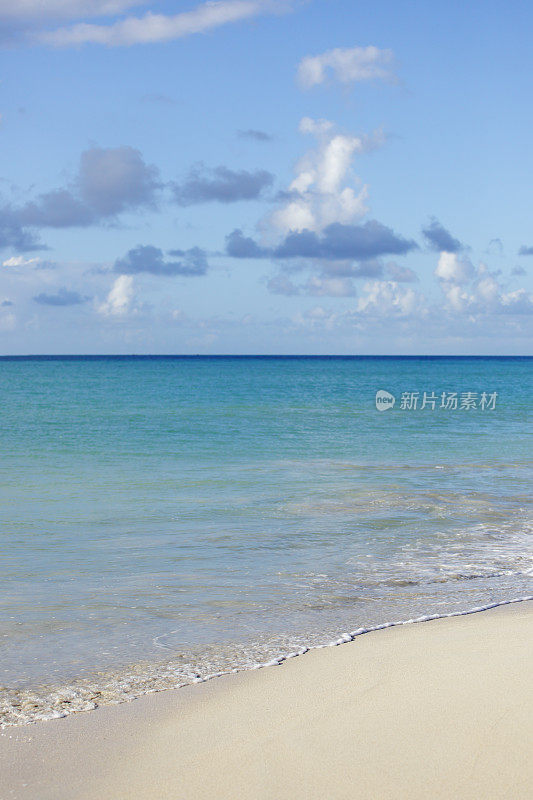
pixel 319 221
pixel 337 242
pixel 63 297
pixel 477 292
pixel 440 239
pixel 150 259
pixel 152 28
pixel 320 193
pixel 109 181
pixel 240 246
pixel 453 269
pixel 120 298
pixel 389 299
pixel 221 185
pixel 20 261
pixel 346 65
pixel 115 179
pixel 525 251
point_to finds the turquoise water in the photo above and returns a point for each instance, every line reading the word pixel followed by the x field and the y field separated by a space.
pixel 163 519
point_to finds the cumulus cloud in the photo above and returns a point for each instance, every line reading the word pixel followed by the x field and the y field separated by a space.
pixel 221 185
pixel 152 28
pixel 257 136
pixel 240 246
pixel 346 65
pixel 150 259
pixel 317 224
pixel 63 297
pixel 478 291
pixel 115 179
pixel 320 193
pixel 337 242
pixel 525 251
pixel 438 238
pixel 453 269
pixel 120 298
pixel 388 298
pixel 109 181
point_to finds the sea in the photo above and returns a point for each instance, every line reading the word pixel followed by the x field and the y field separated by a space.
pixel 164 520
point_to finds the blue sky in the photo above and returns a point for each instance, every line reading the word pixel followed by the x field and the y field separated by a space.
pixel 252 176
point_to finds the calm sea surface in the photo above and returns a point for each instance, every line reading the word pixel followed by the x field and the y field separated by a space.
pixel 164 519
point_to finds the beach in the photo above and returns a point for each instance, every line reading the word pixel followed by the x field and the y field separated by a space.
pixel 437 709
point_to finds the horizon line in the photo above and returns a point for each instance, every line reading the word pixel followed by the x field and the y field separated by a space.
pixel 73 356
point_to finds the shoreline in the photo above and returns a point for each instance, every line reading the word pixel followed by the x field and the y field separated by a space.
pixel 92 699
pixel 445 703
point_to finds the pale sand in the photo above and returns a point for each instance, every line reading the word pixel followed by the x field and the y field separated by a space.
pixel 440 709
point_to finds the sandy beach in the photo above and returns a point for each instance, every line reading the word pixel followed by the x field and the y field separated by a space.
pixel 439 709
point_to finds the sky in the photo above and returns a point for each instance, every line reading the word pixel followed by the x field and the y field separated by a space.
pixel 266 176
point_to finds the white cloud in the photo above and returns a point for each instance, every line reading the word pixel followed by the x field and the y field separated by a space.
pixel 454 269
pixel 319 194
pixel 478 292
pixel 348 65
pixel 388 298
pixel 19 261
pixel 119 299
pixel 152 27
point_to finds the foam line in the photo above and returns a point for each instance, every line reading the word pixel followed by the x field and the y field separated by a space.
pixel 349 637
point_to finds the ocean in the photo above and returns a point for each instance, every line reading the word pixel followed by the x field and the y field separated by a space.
pixel 165 519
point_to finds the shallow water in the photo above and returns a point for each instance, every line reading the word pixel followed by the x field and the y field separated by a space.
pixel 169 518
